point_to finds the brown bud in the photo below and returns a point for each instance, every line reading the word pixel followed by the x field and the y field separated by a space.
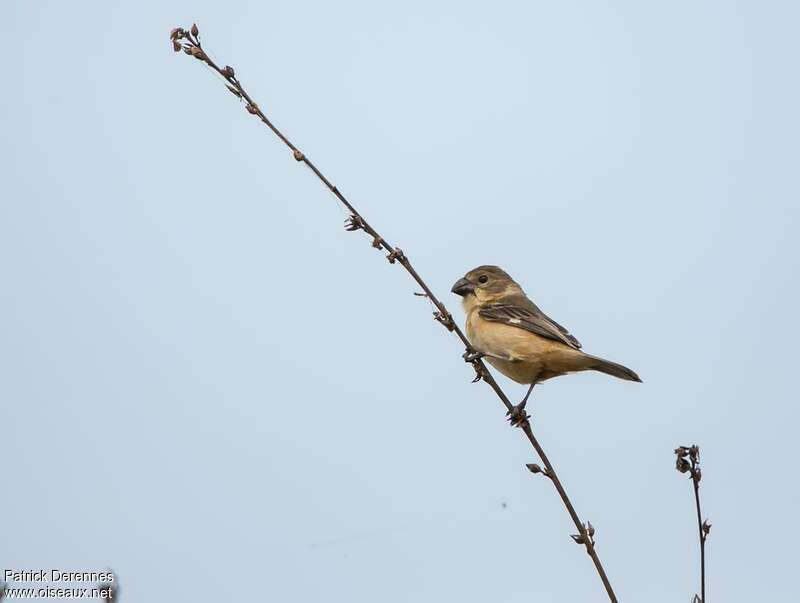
pixel 298 155
pixel 534 468
pixel 590 528
pixel 228 71
pixel 682 465
pixel 395 255
pixel 176 46
pixel 706 527
pixel 252 109
pixel 195 31
pixel 176 34
pixel 352 223
pixel 681 451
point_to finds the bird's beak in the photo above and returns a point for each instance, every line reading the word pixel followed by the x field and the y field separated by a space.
pixel 462 286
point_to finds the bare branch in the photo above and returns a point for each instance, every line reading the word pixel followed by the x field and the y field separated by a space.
pixel 687 460
pixel 189 43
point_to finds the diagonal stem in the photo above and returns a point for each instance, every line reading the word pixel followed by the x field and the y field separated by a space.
pixel 193 47
pixel 587 538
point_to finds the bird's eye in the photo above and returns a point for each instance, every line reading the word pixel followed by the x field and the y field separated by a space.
pixel 483 279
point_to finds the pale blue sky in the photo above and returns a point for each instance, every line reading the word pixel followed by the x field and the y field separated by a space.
pixel 212 388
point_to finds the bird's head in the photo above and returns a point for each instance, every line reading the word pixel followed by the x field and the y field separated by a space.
pixel 485 285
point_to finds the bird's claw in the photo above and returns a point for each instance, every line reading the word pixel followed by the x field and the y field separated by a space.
pixel 478 372
pixel 472 356
pixel 517 415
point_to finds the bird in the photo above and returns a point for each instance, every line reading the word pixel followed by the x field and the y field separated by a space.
pixel 504 326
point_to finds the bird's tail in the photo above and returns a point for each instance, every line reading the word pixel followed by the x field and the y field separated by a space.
pixel 612 368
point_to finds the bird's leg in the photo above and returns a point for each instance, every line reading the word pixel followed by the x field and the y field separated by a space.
pixel 517 414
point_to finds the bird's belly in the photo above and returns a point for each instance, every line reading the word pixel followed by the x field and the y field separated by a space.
pixel 514 352
pixel 518 370
pixel 519 354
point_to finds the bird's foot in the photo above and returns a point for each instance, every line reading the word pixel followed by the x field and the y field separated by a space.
pixel 469 356
pixel 472 357
pixel 517 415
pixel 478 372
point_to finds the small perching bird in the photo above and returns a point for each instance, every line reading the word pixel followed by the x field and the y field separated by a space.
pixel 517 338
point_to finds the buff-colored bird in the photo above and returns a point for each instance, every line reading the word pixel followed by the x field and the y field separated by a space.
pixel 517 338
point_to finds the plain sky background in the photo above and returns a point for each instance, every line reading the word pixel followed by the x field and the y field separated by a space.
pixel 210 387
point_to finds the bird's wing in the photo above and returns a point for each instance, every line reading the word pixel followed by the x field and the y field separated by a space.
pixel 524 314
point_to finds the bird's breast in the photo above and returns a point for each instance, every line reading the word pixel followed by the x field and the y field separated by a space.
pixel 502 340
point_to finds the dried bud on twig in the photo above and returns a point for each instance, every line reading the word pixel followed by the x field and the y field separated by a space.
pixel 587 537
pixel 195 31
pixel 176 46
pixel 252 109
pixel 354 222
pixel 682 465
pixel 228 71
pixel 534 468
pixel 681 451
pixel 298 156
pixel 706 527
pixel 395 255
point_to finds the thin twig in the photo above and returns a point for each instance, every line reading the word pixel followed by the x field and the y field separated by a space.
pixel 188 41
pixel 692 467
